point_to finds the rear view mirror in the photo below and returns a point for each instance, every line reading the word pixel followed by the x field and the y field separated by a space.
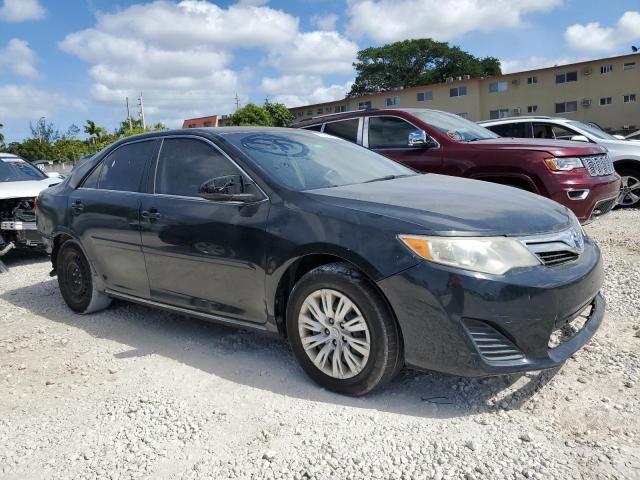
pixel 580 138
pixel 419 138
pixel 230 188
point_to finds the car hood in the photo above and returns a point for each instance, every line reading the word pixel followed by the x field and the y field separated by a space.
pixel 29 188
pixel 620 145
pixel 558 148
pixel 443 205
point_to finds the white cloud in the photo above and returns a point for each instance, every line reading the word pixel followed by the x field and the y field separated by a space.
pixel 392 20
pixel 296 90
pixel 593 37
pixel 21 10
pixel 316 52
pixel 179 55
pixel 19 58
pixel 535 62
pixel 325 22
pixel 24 102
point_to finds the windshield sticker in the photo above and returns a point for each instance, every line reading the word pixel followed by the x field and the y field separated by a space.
pixel 275 145
pixel 454 135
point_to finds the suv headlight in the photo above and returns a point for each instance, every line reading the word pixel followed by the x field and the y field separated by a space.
pixel 494 255
pixel 563 163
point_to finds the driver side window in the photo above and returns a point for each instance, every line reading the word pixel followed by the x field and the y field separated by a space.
pixel 186 163
pixel 389 132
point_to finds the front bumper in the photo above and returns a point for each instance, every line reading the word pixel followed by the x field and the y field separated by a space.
pixel 470 324
pixel 600 197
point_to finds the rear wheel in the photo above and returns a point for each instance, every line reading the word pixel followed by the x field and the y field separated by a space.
pixel 75 280
pixel 629 186
pixel 342 331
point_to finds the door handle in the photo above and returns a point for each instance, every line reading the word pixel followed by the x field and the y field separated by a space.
pixel 150 215
pixel 77 206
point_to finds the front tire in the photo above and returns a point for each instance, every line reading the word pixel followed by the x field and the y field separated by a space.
pixel 629 186
pixel 75 279
pixel 341 331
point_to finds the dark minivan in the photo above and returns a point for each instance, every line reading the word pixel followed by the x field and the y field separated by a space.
pixel 364 265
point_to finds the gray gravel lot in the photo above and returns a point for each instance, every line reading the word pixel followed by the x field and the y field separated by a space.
pixel 136 393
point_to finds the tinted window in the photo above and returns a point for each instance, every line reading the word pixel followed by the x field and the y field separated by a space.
pixel 515 130
pixel 186 163
pixel 541 130
pixel 558 132
pixel 300 160
pixel 92 180
pixel 562 133
pixel 454 126
pixel 122 170
pixel 347 129
pixel 389 132
pixel 316 128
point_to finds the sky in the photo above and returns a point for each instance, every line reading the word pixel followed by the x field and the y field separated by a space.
pixel 77 60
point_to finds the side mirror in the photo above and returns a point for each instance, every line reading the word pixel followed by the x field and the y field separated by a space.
pixel 419 138
pixel 580 138
pixel 230 188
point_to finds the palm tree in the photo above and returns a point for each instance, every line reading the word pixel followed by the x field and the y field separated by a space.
pixel 1 136
pixel 94 130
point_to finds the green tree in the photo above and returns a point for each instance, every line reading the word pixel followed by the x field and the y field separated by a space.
pixel 32 149
pixel 415 62
pixel 279 113
pixel 251 114
pixel 69 149
pixel 1 136
pixel 94 131
pixel 44 132
pixel 136 125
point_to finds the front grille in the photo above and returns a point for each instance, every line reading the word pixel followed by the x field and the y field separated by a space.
pixel 569 329
pixel 603 207
pixel 598 165
pixel 491 344
pixel 556 257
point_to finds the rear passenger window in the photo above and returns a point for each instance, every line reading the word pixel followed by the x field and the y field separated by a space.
pixel 185 164
pixel 389 132
pixel 123 169
pixel 515 130
pixel 346 129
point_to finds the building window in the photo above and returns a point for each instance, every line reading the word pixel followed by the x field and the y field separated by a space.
pixel 364 105
pixel 605 101
pixel 309 112
pixel 340 109
pixel 496 114
pixel 391 101
pixel 606 68
pixel 458 91
pixel 319 111
pixel 567 77
pixel 532 80
pixel 532 108
pixel 464 115
pixel 629 66
pixel 327 110
pixel 192 125
pixel 631 98
pixel 498 87
pixel 207 124
pixel 567 107
pixel 424 96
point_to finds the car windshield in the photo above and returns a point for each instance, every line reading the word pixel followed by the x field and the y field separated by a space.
pixel 591 130
pixel 302 160
pixel 454 126
pixel 18 170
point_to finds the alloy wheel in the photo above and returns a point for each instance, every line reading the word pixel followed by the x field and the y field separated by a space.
pixel 334 334
pixel 629 191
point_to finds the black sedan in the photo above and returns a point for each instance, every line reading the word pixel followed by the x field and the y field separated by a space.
pixel 364 265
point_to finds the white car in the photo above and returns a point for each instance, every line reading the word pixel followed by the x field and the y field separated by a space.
pixel 634 137
pixel 624 154
pixel 20 184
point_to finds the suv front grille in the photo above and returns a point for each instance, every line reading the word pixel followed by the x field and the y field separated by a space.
pixel 598 165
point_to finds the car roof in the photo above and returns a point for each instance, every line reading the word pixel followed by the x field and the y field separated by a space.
pixel 360 113
pixel 9 155
pixel 523 118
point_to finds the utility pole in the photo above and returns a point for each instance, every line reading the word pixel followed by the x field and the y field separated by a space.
pixel 129 115
pixel 237 102
pixel 141 111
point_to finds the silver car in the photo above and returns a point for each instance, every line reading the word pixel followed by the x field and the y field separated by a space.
pixel 624 154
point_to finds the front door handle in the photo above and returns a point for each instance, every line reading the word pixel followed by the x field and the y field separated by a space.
pixel 77 206
pixel 151 215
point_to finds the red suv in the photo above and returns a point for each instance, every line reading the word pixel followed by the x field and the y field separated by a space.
pixel 580 176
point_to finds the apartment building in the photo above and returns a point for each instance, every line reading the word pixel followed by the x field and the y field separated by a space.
pixel 604 91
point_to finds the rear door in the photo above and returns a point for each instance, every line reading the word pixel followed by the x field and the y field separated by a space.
pixel 349 129
pixel 202 254
pixel 389 136
pixel 105 216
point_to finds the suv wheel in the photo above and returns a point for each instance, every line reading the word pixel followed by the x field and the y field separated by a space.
pixel 75 280
pixel 629 187
pixel 341 331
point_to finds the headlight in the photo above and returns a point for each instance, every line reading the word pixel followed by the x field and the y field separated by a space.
pixel 495 255
pixel 563 163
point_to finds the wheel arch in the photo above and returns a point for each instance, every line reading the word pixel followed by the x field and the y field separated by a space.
pixel 513 180
pixel 62 238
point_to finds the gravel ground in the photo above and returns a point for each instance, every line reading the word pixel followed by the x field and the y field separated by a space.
pixel 136 393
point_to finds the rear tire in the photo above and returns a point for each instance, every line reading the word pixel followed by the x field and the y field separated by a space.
pixel 352 341
pixel 75 279
pixel 629 187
